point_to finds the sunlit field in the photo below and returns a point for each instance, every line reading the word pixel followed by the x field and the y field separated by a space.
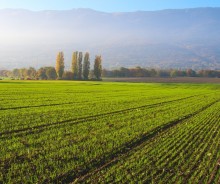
pixel 106 132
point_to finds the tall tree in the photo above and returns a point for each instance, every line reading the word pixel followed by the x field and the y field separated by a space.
pixel 60 65
pixel 86 66
pixel 80 58
pixel 98 67
pixel 31 73
pixel 75 65
pixel 51 73
pixel 41 73
pixel 16 73
pixel 190 73
pixel 23 72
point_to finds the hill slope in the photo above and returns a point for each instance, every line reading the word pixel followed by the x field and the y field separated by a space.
pixel 168 38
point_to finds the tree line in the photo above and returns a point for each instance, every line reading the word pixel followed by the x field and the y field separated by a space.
pixel 80 69
pixel 144 72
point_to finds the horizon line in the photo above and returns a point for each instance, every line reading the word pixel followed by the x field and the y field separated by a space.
pixel 91 9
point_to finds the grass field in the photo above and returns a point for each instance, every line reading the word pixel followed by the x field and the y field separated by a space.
pixel 105 132
pixel 166 79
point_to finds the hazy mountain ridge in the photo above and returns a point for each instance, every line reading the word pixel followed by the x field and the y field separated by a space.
pixel 187 38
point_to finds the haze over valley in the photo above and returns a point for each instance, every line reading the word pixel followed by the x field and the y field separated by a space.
pixel 185 38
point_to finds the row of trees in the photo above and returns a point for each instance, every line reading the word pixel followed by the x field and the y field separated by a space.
pixel 31 73
pixel 80 69
pixel 143 72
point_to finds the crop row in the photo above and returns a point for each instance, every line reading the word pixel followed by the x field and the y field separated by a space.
pixel 54 132
pixel 186 153
pixel 75 149
pixel 28 95
pixel 46 116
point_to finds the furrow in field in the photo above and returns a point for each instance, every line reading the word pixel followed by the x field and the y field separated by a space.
pixel 128 147
pixel 169 108
pixel 38 116
pixel 174 159
pixel 188 155
pixel 151 169
pixel 52 153
pixel 214 173
pixel 195 162
pixel 43 105
pixel 91 118
pixel 176 147
pixel 44 102
pixel 138 116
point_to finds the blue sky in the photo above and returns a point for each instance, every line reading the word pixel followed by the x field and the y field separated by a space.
pixel 107 5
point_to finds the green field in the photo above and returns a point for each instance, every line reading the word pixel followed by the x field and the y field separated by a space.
pixel 105 132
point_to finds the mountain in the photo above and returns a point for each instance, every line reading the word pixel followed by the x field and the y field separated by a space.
pixel 186 38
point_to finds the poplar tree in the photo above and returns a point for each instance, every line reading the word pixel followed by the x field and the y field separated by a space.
pixel 86 66
pixel 98 67
pixel 75 65
pixel 80 58
pixel 60 65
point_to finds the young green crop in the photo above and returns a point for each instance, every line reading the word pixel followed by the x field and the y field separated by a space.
pixel 71 131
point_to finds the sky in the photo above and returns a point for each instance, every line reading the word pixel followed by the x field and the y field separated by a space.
pixel 107 5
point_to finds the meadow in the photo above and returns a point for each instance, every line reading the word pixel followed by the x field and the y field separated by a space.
pixel 108 132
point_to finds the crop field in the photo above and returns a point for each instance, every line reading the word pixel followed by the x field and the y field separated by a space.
pixel 106 132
